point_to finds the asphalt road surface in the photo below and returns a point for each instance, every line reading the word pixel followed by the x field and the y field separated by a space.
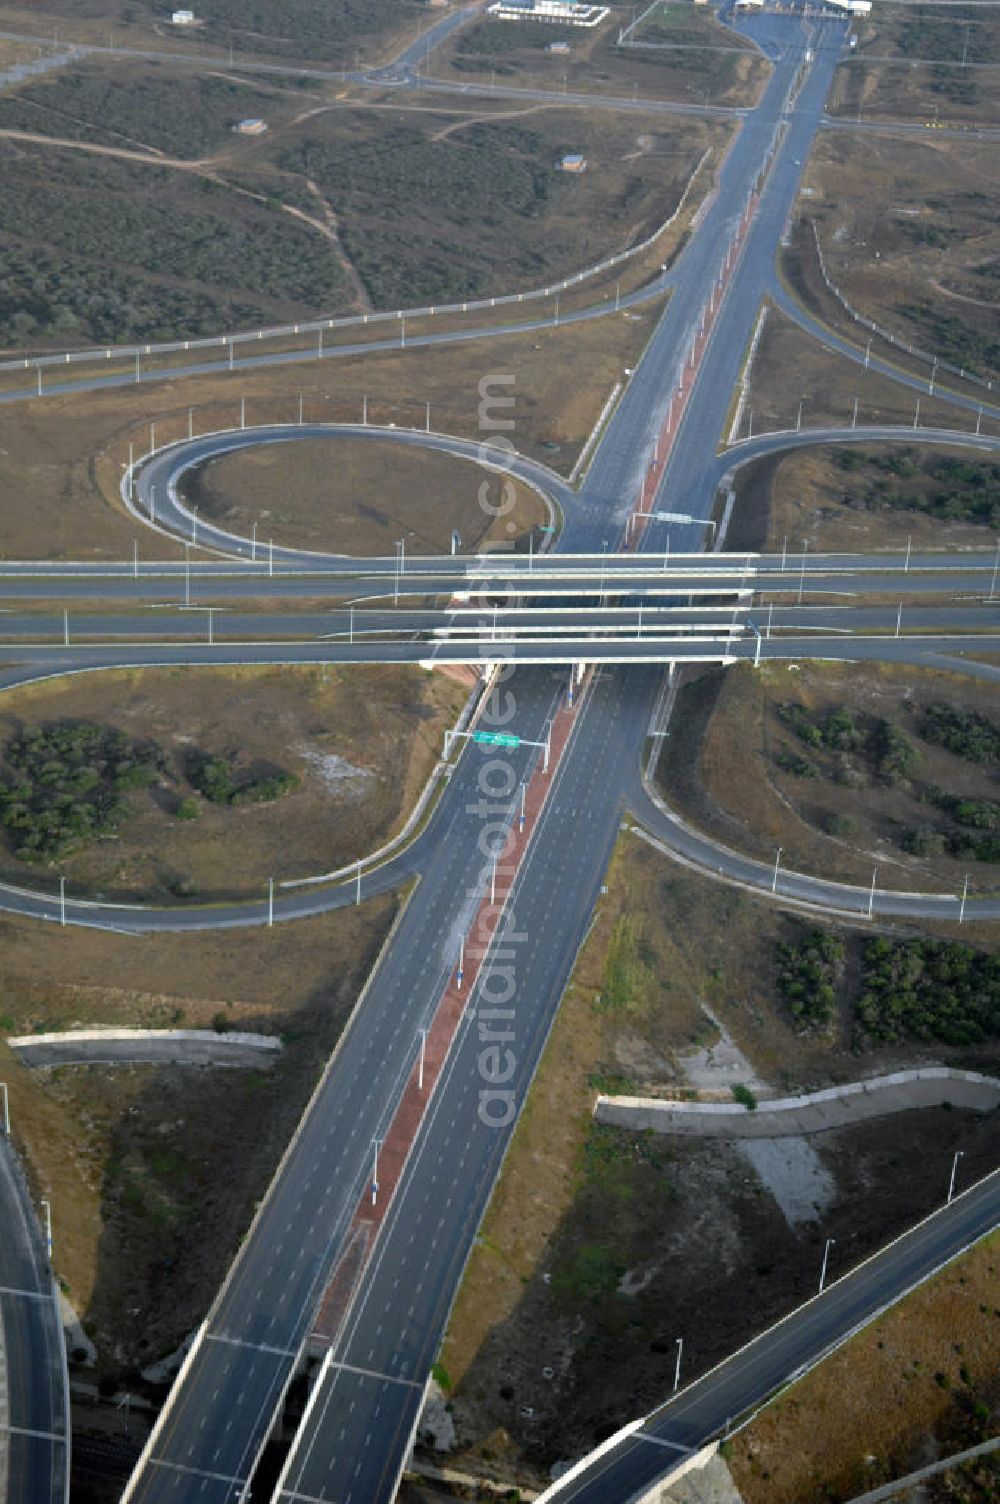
pixel 34 1450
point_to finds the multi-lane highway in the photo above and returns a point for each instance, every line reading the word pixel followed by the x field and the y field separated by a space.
pixel 34 1396
pixel 357 1429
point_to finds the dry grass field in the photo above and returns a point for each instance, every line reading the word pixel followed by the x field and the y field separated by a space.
pixel 66 453
pixel 920 1382
pixel 910 237
pixel 361 744
pixel 791 367
pixel 130 200
pixel 938 66
pixel 828 821
pixel 810 494
pixel 288 31
pixel 714 64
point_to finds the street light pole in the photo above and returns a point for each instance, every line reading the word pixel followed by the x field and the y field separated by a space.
pixel 677 1365
pixel 871 895
pixel 965 894
pixel 48 1230
pixel 6 1110
pixel 774 879
pixel 375 1148
pixel 959 1154
pixel 826 1255
pixel 423 1052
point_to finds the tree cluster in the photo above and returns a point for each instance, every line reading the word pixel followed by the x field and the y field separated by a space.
pixel 216 780
pixel 928 989
pixel 890 754
pixel 62 786
pixel 945 487
pixel 808 973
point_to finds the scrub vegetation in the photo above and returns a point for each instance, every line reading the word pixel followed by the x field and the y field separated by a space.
pixel 948 488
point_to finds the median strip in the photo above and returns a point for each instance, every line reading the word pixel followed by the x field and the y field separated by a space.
pixel 389 1160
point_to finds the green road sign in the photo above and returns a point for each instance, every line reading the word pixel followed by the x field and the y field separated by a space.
pixel 496 739
pixel 546 529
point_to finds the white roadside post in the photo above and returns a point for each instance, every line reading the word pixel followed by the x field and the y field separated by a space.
pixel 959 1154
pixel 826 1255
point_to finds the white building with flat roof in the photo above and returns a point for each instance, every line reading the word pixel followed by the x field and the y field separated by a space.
pixel 562 12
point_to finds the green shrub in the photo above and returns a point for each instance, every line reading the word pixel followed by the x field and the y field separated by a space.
pixel 928 989
pixel 966 733
pixel 743 1094
pixel 61 785
pixel 839 825
pixel 808 973
pixel 187 809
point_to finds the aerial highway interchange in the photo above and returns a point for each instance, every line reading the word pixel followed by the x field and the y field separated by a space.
pixel 629 617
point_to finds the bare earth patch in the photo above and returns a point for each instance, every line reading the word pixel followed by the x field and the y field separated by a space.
pixel 357 497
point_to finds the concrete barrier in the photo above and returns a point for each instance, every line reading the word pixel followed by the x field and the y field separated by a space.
pixel 815 1112
pixel 147 1047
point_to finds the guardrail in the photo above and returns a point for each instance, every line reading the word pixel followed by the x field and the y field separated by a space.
pixel 936 362
pixel 229 341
